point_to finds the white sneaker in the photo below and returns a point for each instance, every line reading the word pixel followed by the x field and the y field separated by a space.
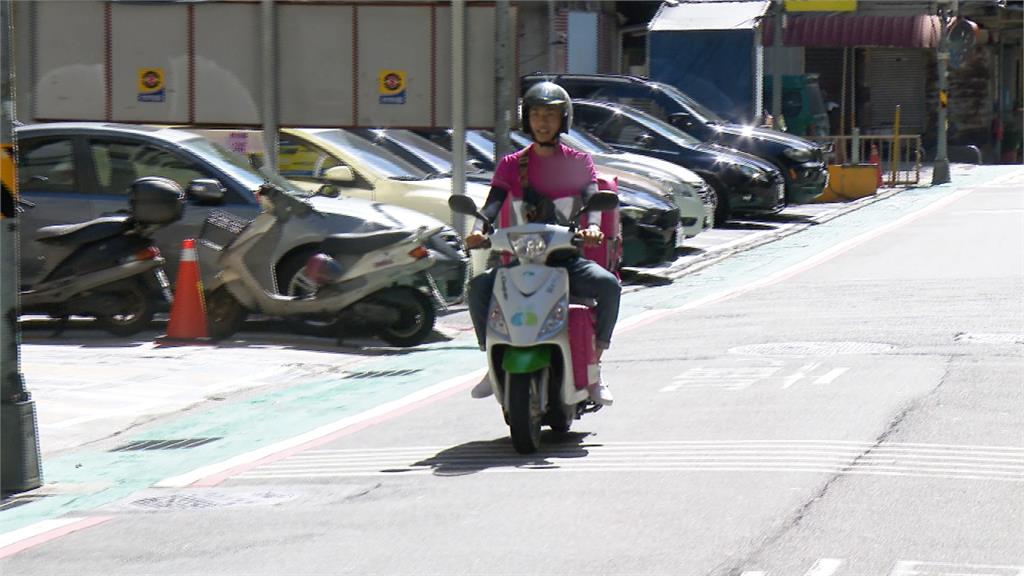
pixel 482 389
pixel 599 393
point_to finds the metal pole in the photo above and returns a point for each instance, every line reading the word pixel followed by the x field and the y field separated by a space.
pixel 20 468
pixel 270 122
pixel 504 81
pixel 895 149
pixel 777 66
pixel 459 106
pixel 940 170
pixel 552 35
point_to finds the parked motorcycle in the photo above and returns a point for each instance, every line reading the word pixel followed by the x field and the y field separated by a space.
pixel 541 351
pixel 367 281
pixel 109 267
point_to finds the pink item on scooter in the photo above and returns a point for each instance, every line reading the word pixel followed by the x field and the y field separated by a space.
pixel 583 345
pixel 608 254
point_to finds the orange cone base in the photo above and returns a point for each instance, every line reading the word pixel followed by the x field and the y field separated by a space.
pixel 188 311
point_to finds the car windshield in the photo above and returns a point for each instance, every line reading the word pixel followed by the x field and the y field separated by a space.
pixel 375 158
pixel 237 166
pixel 439 159
pixel 483 142
pixel 659 127
pixel 676 94
pixel 587 142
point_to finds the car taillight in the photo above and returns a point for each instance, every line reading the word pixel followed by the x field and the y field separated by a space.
pixel 419 252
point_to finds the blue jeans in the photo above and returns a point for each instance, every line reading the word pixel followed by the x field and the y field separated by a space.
pixel 587 279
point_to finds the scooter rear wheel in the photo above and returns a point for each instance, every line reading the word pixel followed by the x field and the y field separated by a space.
pixel 134 317
pixel 416 317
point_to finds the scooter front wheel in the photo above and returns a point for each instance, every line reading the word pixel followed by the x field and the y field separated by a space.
pixel 224 314
pixel 416 317
pixel 524 412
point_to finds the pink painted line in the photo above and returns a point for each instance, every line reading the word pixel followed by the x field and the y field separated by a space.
pixel 464 383
pixel 34 537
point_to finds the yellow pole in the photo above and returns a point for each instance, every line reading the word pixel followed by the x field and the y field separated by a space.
pixel 895 151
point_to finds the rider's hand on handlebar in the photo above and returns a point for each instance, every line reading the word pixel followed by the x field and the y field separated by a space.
pixel 591 236
pixel 475 239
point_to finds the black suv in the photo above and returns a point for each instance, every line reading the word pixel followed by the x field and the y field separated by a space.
pixel 800 161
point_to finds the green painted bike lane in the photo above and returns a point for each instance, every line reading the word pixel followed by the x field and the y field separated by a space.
pixel 264 419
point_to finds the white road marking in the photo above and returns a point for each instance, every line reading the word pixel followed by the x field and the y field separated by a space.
pixel 737 378
pixel 825 567
pixel 916 568
pixel 831 376
pixel 799 374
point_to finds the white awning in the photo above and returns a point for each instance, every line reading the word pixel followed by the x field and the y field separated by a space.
pixel 709 15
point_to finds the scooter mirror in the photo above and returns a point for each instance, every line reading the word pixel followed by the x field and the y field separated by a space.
pixel 461 204
pixel 602 201
pixel 206 191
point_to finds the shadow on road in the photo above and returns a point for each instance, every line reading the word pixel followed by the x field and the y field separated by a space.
pixel 477 456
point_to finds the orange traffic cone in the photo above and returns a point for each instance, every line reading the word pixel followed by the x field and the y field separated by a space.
pixel 188 311
pixel 877 161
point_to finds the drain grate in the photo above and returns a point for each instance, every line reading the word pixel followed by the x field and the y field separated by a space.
pixel 180 444
pixel 380 373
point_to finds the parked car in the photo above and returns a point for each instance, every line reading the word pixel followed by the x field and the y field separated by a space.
pixel 800 161
pixel 74 171
pixel 650 220
pixel 744 183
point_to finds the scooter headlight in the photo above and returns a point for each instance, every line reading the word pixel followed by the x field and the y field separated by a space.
pixel 496 320
pixel 555 321
pixel 529 246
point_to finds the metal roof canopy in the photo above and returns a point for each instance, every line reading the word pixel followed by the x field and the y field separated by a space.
pixel 709 16
pixel 847 30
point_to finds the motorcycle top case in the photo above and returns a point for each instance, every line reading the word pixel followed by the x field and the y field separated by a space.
pixel 156 204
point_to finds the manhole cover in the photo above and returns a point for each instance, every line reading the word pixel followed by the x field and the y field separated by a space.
pixel 813 348
pixel 205 500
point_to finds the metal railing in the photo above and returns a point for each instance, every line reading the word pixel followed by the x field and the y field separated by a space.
pixel 899 155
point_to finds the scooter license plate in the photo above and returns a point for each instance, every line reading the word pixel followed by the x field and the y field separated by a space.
pixel 165 284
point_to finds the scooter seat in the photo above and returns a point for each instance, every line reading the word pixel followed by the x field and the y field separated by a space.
pixel 362 243
pixel 85 232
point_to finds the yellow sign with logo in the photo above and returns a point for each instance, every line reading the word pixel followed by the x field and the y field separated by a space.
pixel 151 85
pixel 821 5
pixel 8 181
pixel 392 86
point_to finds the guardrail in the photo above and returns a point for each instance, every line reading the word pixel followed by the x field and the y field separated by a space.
pixel 900 168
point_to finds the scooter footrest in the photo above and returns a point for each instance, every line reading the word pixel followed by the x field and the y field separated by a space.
pixel 587 407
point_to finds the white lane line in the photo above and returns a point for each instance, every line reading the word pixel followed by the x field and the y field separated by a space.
pixel 799 374
pixel 754 573
pixel 831 376
pixel 825 567
pixel 917 568
pixel 34 534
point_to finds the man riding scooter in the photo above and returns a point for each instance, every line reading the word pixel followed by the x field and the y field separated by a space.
pixel 549 179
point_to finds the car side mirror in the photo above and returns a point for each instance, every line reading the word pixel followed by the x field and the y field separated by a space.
pixel 340 174
pixel 328 191
pixel 206 191
pixel 681 120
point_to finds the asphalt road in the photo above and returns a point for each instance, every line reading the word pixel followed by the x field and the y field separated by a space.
pixel 843 400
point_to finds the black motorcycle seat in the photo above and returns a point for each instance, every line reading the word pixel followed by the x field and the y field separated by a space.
pixel 85 232
pixel 355 243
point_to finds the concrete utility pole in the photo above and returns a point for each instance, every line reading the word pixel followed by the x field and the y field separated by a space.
pixel 270 76
pixel 504 80
pixel 780 11
pixel 459 105
pixel 20 469
pixel 940 170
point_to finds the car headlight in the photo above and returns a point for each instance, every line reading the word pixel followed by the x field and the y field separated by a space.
pixel 496 319
pixel 556 319
pixel 752 173
pixel 529 246
pixel 798 154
